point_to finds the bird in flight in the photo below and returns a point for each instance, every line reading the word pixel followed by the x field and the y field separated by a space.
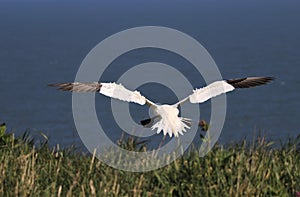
pixel 167 117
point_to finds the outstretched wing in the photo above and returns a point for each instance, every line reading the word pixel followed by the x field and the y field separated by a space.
pixel 219 87
pixel 112 90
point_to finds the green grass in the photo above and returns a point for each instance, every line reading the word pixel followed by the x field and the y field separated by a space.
pixel 237 170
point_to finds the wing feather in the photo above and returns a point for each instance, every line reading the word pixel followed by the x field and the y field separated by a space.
pixel 112 90
pixel 216 88
pixel 78 87
pixel 118 91
pixel 249 81
pixel 220 87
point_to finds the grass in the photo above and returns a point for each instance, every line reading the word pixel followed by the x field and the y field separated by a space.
pixel 237 170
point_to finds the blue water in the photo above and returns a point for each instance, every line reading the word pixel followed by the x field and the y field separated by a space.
pixel 44 42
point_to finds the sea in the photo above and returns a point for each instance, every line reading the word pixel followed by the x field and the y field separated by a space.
pixel 44 42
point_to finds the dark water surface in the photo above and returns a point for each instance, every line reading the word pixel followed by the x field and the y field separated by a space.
pixel 44 42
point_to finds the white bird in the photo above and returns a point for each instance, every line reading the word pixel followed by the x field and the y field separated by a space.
pixel 168 120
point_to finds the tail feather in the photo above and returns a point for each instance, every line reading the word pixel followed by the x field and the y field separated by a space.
pixel 176 126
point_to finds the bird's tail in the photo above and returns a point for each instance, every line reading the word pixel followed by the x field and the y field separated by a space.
pixel 176 126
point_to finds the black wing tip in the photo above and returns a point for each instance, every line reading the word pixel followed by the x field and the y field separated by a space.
pixel 263 80
pixel 77 87
pixel 61 86
pixel 248 82
pixel 57 84
pixel 266 79
pixel 270 78
pixel 236 80
pixel 244 78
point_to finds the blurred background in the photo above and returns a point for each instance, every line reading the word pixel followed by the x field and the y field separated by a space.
pixel 44 42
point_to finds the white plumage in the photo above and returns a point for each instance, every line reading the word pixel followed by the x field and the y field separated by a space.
pixel 168 120
pixel 119 92
pixel 203 94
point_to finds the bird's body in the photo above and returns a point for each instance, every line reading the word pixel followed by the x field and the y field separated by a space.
pixel 168 120
pixel 170 123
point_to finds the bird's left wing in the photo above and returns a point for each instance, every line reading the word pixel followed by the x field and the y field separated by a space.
pixel 112 90
pixel 212 90
pixel 220 87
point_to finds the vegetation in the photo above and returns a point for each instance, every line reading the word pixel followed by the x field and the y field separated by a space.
pixel 238 170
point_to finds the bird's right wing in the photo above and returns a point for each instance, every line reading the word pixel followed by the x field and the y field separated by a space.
pixel 112 90
pixel 220 87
